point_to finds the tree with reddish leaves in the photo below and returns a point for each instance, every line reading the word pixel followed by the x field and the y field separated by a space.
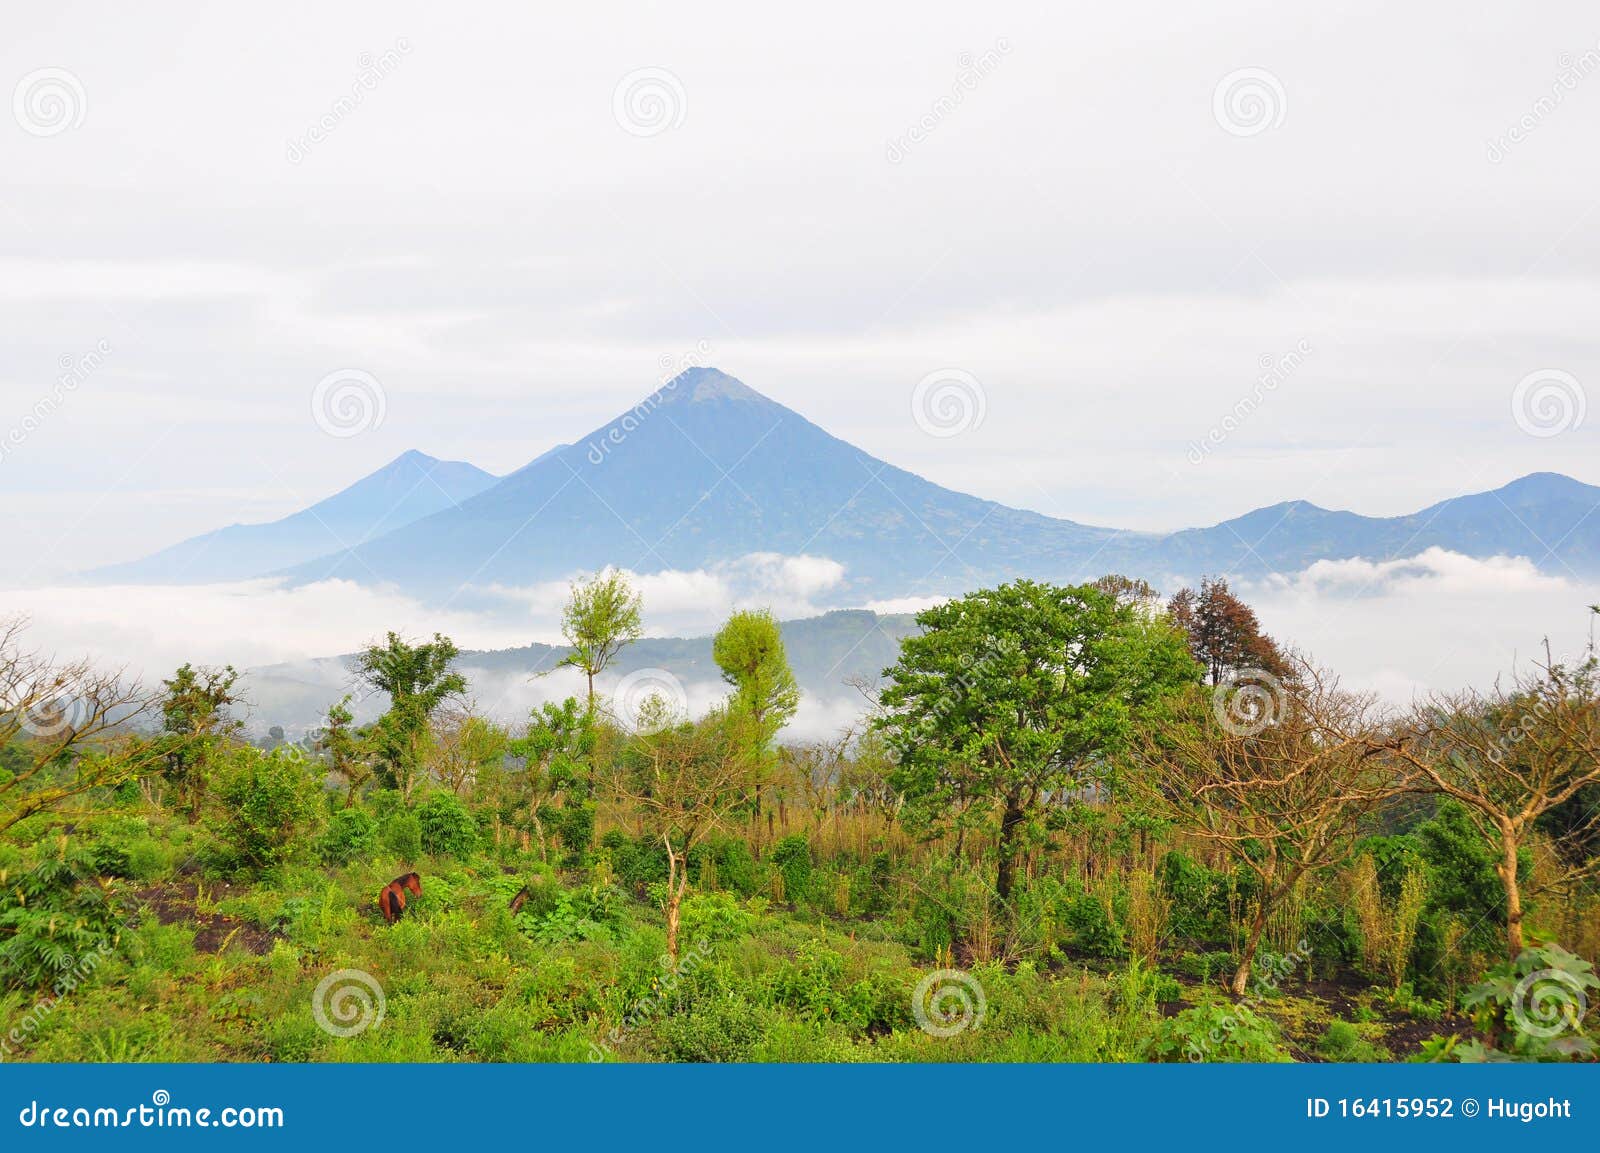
pixel 1224 634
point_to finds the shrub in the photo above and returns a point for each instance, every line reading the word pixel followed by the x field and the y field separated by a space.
pixel 1218 1033
pixel 791 856
pixel 351 834
pixel 1532 1009
pixel 402 835
pixel 267 800
pixel 1343 1042
pixel 55 923
pixel 447 827
pixel 717 1028
pixel 714 917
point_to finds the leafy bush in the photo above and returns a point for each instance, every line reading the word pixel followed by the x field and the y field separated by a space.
pixel 447 827
pixel 1532 1009
pixel 715 917
pixel 791 856
pixel 1218 1033
pixel 351 834
pixel 1343 1042
pixel 267 799
pixel 402 835
pixel 56 923
pixel 716 1028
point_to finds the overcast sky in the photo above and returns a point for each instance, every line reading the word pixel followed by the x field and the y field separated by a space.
pixel 1103 221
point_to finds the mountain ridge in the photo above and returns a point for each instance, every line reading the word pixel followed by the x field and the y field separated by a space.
pixel 706 470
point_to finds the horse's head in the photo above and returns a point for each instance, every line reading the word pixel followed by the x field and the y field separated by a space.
pixel 412 881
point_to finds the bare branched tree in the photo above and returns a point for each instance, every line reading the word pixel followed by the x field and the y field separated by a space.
pixel 1514 757
pixel 683 782
pixel 68 725
pixel 1281 786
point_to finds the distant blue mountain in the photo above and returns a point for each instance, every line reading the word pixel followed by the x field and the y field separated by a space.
pixel 411 486
pixel 707 470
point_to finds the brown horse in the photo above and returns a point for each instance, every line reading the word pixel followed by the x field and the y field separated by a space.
pixel 393 898
pixel 519 900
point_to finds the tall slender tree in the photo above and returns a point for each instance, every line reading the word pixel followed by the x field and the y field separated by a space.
pixel 603 614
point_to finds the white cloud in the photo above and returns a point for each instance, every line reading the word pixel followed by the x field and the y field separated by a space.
pixel 1438 621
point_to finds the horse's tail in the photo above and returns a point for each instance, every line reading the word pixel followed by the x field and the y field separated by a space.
pixel 392 904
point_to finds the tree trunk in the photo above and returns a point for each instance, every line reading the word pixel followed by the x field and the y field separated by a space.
pixel 1507 868
pixel 1008 836
pixel 677 882
pixel 1241 977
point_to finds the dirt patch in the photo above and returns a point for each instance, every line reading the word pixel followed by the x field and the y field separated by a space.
pixel 176 904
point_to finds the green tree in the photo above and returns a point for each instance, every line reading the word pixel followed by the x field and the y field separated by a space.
pixel 749 651
pixel 345 749
pixel 197 725
pixel 602 615
pixel 557 751
pixel 419 679
pixel 1012 698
